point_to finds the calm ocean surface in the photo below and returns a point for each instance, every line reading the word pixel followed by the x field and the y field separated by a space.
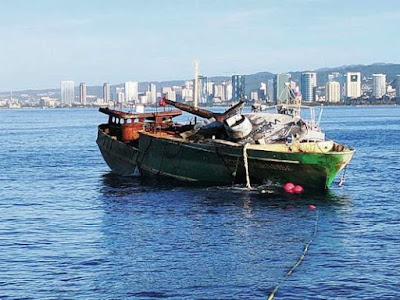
pixel 69 229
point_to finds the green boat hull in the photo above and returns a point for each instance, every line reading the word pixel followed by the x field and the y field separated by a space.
pixel 214 164
pixel 120 157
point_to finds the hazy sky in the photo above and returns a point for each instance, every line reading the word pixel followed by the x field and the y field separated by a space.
pixel 43 42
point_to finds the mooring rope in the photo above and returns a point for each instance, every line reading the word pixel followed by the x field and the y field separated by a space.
pixel 343 178
pixel 300 260
pixel 246 166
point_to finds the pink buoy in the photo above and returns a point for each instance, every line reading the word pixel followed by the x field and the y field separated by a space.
pixel 312 207
pixel 298 189
pixel 288 187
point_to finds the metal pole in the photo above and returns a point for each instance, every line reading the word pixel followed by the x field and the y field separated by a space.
pixel 196 83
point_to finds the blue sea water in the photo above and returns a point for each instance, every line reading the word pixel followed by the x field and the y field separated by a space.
pixel 69 229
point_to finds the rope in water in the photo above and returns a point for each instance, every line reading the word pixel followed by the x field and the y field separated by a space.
pixel 303 255
pixel 343 178
pixel 246 166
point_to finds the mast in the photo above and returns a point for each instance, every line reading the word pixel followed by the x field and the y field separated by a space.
pixel 196 83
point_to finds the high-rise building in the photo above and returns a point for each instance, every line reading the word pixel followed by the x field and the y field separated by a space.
pixel 332 89
pixel 106 93
pixel 202 89
pixel 281 87
pixel 218 92
pixel 210 88
pixel 152 97
pixel 270 90
pixel 263 90
pixel 187 91
pixel 353 85
pixel 228 90
pixel 131 91
pixel 82 93
pixel 398 87
pixel 254 95
pixel 67 92
pixel 378 85
pixel 308 86
pixel 238 87
pixel 178 93
pixel 336 76
pixel 120 94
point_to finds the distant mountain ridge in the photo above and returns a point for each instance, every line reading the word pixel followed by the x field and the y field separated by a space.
pixel 252 80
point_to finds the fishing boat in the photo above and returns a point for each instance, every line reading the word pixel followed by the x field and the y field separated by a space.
pixel 223 149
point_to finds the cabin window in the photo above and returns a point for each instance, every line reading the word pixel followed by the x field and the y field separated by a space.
pixel 129 121
pixel 113 119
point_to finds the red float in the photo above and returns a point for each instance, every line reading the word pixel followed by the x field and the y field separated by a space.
pixel 288 187
pixel 298 189
pixel 312 207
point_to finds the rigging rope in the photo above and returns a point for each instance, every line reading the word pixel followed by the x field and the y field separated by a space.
pixel 246 165
pixel 300 260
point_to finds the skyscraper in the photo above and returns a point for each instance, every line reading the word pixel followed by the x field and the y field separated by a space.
pixel 332 91
pixel 308 86
pixel 131 91
pixel 67 92
pixel 228 90
pixel 106 92
pixel 378 85
pixel 210 90
pixel 281 84
pixel 152 97
pixel 263 91
pixel 238 87
pixel 270 90
pixel 82 93
pixel 336 76
pixel 202 90
pixel 120 95
pixel 353 85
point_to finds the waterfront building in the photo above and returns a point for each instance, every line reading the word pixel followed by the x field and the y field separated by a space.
pixel 202 89
pixel 281 90
pixel 270 90
pixel 336 76
pixel 178 93
pixel 106 93
pixel 120 95
pixel 67 92
pixel 218 92
pixel 228 90
pixel 398 87
pixel 378 85
pixel 82 93
pixel 238 87
pixel 254 95
pixel 152 96
pixel 165 90
pixel 171 95
pixel 332 90
pixel 353 85
pixel 131 91
pixel 308 86
pixel 262 93
pixel 210 88
pixel 187 94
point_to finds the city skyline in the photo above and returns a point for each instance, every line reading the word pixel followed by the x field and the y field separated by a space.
pixel 108 42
